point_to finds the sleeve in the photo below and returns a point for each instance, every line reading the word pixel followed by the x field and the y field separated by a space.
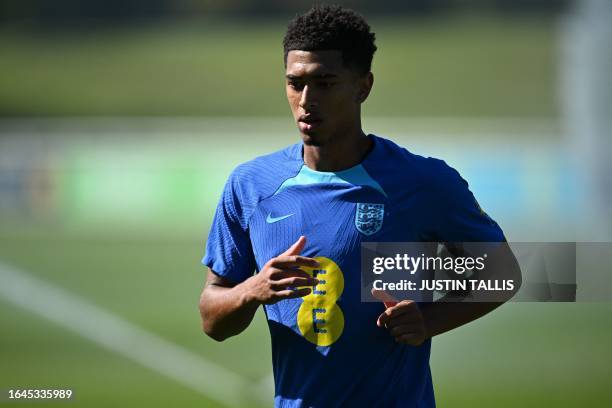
pixel 459 217
pixel 228 250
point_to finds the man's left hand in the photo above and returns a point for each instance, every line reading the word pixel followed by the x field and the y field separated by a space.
pixel 403 320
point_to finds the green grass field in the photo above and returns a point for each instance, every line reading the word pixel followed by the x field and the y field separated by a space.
pixel 145 267
pixel 523 355
pixel 461 66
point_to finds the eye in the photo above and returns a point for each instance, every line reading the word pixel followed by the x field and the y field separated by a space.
pixel 296 85
pixel 326 84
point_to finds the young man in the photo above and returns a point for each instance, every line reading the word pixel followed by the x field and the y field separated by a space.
pixel 298 217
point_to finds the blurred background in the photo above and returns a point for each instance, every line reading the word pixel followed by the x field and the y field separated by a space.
pixel 121 120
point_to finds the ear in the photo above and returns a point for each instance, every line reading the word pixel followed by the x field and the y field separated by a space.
pixel 365 86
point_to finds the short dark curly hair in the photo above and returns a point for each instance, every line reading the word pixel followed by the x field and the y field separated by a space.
pixel 332 27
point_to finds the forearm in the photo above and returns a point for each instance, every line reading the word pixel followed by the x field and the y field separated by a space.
pixel 226 311
pixel 440 317
pixel 451 311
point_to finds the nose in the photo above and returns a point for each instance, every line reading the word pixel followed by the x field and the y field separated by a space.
pixel 306 99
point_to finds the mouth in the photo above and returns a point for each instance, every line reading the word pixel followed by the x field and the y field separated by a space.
pixel 308 123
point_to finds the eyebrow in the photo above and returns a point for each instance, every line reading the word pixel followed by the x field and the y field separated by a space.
pixel 316 76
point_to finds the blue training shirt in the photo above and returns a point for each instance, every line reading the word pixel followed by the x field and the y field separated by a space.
pixel 327 350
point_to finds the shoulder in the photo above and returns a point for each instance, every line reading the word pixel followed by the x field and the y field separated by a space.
pixel 408 168
pixel 441 177
pixel 271 162
pixel 252 181
pixel 267 172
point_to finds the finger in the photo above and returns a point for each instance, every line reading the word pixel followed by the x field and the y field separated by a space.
pixel 403 307
pixel 383 296
pixel 291 294
pixel 297 247
pixel 293 261
pixel 284 273
pixel 406 319
pixel 294 282
pixel 382 320
pixel 400 330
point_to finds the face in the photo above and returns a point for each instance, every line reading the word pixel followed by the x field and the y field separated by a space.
pixel 324 95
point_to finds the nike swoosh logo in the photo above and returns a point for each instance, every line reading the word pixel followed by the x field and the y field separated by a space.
pixel 272 220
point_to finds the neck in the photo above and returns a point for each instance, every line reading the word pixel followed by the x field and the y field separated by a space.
pixel 339 153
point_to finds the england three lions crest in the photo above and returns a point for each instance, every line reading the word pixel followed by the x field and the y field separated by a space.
pixel 369 218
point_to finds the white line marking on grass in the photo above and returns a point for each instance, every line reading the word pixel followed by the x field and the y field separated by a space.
pixel 264 388
pixel 112 332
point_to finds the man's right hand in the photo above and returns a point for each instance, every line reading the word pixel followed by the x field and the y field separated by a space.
pixel 281 278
